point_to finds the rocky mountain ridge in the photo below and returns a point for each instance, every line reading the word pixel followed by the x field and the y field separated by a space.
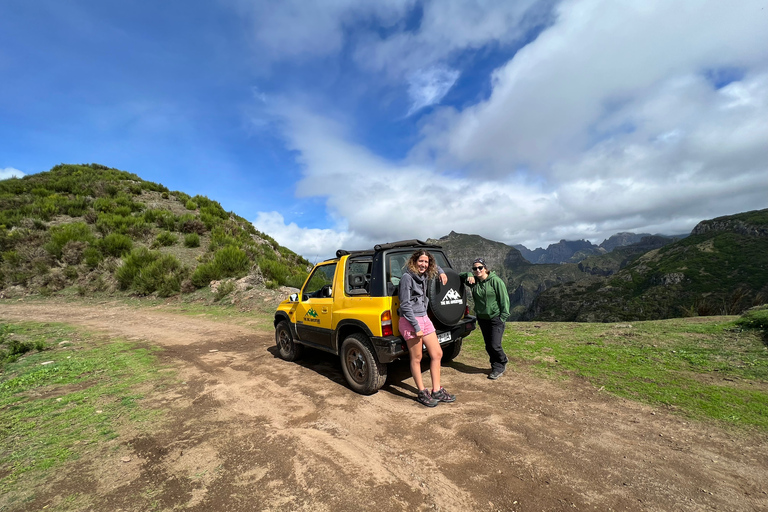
pixel 564 291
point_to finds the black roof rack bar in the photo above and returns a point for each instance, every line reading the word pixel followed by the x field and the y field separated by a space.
pixel 342 252
pixel 405 243
pixel 390 245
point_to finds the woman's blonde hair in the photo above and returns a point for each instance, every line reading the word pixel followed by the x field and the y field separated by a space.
pixel 413 268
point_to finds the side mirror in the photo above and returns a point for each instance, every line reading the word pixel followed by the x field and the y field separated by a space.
pixel 294 297
pixel 327 291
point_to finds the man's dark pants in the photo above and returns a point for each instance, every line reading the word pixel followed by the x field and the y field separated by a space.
pixel 493 330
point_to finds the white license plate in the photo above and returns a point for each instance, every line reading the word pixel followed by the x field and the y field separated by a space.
pixel 442 338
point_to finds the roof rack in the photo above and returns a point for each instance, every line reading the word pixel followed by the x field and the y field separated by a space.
pixel 390 245
pixel 342 252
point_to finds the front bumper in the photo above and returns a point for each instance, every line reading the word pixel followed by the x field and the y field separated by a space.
pixel 389 348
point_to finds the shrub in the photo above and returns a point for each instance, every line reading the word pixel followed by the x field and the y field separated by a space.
pixel 229 261
pixel 150 271
pixel 113 223
pixel 76 207
pixel 165 219
pixel 133 264
pixel 115 244
pixel 92 256
pixel 191 224
pixel 225 288
pixel 190 205
pixel 104 205
pixel 162 275
pixel 71 273
pixel 123 211
pixel 166 239
pixel 60 235
pixel 755 318
pixel 72 252
pixel 192 240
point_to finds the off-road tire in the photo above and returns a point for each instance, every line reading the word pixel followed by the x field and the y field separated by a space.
pixel 288 349
pixel 363 372
pixel 451 350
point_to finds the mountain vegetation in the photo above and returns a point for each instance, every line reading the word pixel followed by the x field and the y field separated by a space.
pixel 525 280
pixel 93 229
pixel 721 268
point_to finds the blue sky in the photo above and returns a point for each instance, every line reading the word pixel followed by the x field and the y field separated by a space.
pixel 345 123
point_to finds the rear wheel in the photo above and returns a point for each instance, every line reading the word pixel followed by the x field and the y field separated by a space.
pixel 363 372
pixel 451 350
pixel 288 349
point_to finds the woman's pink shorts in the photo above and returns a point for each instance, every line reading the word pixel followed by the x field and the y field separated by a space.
pixel 406 329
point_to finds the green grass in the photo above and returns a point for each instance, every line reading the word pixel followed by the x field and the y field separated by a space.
pixel 706 368
pixel 51 414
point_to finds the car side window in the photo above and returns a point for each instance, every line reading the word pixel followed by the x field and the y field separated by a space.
pixel 358 276
pixel 320 283
pixel 395 268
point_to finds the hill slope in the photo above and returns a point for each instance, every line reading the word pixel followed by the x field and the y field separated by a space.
pixel 102 229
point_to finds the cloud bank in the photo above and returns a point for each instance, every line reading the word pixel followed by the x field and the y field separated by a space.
pixel 619 116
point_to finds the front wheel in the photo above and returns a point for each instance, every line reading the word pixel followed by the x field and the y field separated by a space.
pixel 451 350
pixel 288 349
pixel 363 372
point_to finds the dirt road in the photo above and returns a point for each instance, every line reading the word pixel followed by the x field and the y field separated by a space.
pixel 248 431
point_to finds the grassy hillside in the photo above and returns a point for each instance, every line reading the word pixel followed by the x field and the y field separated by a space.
pixel 722 268
pixel 95 229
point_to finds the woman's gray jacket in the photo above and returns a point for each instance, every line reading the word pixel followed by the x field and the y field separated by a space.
pixel 413 297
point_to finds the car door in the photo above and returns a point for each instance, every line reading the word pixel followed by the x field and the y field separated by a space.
pixel 314 312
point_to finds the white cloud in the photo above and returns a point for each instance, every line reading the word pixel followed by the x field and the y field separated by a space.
pixel 314 244
pixel 10 172
pixel 609 121
pixel 302 29
pixel 550 99
pixel 427 87
pixel 448 27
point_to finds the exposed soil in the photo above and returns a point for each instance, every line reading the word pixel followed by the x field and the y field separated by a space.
pixel 248 431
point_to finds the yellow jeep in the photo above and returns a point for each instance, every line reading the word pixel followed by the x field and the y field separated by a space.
pixel 348 307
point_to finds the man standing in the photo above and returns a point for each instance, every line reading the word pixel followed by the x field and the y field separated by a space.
pixel 492 309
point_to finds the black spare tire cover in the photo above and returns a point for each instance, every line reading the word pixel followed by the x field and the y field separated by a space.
pixel 447 301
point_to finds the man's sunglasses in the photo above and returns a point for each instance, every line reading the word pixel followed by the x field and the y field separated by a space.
pixel 478 269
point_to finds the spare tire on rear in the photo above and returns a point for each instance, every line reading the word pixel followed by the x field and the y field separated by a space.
pixel 448 301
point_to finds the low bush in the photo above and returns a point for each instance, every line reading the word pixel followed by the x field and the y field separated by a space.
pixel 192 240
pixel 11 348
pixel 190 205
pixel 164 276
pixel 191 224
pixel 60 235
pixel 166 239
pixel 115 244
pixel 92 256
pixel 225 288
pixel 229 261
pixel 148 271
pixel 755 318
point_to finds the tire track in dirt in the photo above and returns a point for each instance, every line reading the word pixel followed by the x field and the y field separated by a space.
pixel 248 431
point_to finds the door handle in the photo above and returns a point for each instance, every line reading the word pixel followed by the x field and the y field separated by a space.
pixel 325 310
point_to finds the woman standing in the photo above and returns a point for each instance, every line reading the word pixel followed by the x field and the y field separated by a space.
pixel 416 327
pixel 492 310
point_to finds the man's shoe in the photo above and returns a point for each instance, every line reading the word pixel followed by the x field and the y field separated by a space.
pixel 496 374
pixel 441 395
pixel 425 398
